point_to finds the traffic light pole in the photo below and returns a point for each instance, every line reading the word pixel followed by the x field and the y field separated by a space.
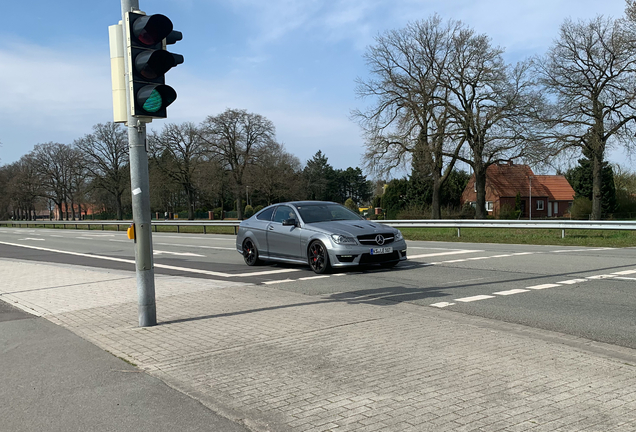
pixel 140 187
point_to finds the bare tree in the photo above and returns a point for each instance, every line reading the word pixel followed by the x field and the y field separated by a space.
pixel 276 175
pixel 410 121
pixel 53 162
pixel 490 103
pixel 590 71
pixel 180 153
pixel 237 138
pixel 105 156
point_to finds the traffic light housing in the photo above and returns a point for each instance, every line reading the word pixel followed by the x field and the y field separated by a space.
pixel 148 61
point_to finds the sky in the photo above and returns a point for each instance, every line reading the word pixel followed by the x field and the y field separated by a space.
pixel 293 61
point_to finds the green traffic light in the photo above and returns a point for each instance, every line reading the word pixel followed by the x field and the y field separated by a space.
pixel 153 103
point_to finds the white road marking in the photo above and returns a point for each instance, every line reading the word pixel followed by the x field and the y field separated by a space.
pixel 580 250
pixel 512 291
pixel 455 261
pixel 572 281
pixel 605 276
pixel 500 256
pixel 313 277
pixel 279 281
pixel 625 272
pixel 194 246
pixel 461 251
pixel 524 253
pixel 624 278
pixel 474 298
pixel 158 252
pixel 544 286
pixel 31 238
pixel 442 304
pixel 183 269
pixel 477 258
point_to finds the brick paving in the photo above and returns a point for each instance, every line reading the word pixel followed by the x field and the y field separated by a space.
pixel 281 361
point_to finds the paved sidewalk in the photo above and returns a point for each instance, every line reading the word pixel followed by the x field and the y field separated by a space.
pixel 281 361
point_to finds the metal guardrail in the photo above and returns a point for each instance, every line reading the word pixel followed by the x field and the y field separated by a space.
pixel 519 224
pixel 421 223
pixel 125 223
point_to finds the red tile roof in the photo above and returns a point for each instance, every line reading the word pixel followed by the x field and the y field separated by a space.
pixel 506 180
pixel 558 187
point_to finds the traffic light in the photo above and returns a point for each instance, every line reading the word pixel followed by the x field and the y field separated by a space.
pixel 148 61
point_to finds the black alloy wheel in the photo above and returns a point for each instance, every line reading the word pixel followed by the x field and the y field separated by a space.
pixel 318 258
pixel 250 252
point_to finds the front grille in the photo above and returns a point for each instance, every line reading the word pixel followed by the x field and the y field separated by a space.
pixel 369 239
pixel 375 259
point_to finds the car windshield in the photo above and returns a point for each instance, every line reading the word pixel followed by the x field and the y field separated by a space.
pixel 313 213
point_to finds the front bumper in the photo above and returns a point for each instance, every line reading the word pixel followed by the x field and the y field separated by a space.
pixel 349 256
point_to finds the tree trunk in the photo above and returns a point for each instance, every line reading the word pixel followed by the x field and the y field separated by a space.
pixel 597 183
pixel 239 209
pixel 436 211
pixel 480 182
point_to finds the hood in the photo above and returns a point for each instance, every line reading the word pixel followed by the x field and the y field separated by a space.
pixel 352 228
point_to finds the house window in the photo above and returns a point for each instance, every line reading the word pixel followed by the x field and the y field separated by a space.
pixel 556 208
pixel 475 186
pixel 539 204
pixel 488 205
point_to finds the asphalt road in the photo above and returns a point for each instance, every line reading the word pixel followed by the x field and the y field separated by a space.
pixel 586 292
pixel 60 382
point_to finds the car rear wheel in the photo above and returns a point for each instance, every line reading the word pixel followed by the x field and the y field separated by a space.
pixel 250 253
pixel 318 258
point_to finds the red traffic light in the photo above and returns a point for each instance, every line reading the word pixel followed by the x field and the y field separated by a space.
pixel 151 30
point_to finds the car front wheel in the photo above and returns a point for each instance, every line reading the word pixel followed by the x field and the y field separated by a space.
pixel 318 258
pixel 250 252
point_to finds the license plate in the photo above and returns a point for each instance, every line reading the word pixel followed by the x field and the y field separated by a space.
pixel 382 250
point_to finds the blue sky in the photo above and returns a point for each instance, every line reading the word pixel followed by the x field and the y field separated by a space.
pixel 293 61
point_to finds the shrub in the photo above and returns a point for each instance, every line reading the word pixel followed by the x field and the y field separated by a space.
pixel 508 212
pixel 581 208
pixel 249 211
pixel 351 205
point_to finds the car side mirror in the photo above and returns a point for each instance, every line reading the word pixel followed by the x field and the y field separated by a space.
pixel 289 222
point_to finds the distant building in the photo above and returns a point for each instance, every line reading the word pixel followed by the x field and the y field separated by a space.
pixel 552 195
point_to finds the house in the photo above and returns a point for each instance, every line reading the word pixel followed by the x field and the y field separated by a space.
pixel 549 195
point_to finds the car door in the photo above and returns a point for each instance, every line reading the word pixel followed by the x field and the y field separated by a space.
pixel 263 219
pixel 283 241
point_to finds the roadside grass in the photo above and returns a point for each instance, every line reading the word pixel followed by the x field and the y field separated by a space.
pixel 573 237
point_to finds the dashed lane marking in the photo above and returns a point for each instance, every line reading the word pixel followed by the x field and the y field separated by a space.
pixel 510 292
pixel 313 277
pixel 543 286
pixel 572 281
pixel 462 251
pixel 474 298
pixel 442 304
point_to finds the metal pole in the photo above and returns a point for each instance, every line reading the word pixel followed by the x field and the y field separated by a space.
pixel 139 185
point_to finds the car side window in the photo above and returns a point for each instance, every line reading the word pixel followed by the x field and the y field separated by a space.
pixel 283 213
pixel 266 215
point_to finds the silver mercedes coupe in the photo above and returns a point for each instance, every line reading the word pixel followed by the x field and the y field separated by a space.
pixel 319 233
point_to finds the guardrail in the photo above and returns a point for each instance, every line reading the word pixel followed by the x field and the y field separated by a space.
pixel 421 223
pixel 125 223
pixel 520 224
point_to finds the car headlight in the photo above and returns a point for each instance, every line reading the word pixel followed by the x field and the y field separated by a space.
pixel 341 239
pixel 398 236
